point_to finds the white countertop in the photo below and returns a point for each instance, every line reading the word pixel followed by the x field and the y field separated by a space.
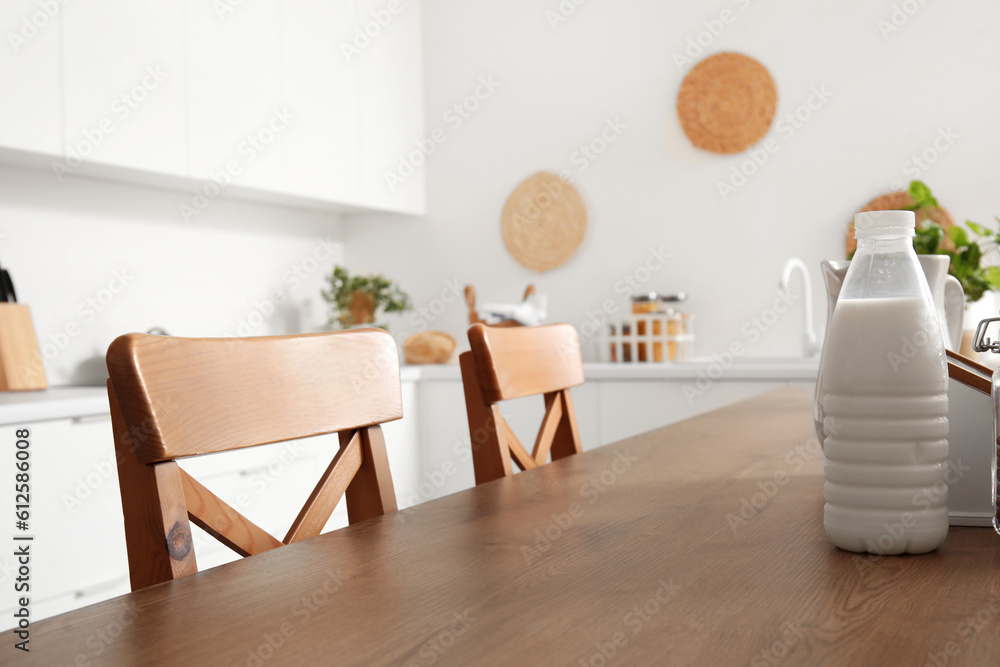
pixel 22 407
pixel 715 368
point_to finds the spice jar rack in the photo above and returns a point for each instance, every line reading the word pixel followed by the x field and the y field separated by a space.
pixel 654 333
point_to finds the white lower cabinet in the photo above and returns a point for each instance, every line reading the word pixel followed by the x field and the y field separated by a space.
pixel 631 407
pixel 77 554
pixel 606 411
pixel 268 484
pixel 445 445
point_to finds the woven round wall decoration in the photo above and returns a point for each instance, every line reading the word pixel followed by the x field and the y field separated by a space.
pixel 726 103
pixel 901 200
pixel 543 222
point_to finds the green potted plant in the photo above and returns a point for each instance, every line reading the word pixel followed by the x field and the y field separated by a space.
pixel 355 300
pixel 965 252
pixel 937 234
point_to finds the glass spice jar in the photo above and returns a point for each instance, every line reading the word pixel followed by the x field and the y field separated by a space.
pixel 653 303
pixel 645 304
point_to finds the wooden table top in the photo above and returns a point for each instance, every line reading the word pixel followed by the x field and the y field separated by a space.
pixel 697 544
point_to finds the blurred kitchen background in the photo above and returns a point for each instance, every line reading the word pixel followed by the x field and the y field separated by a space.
pixel 123 124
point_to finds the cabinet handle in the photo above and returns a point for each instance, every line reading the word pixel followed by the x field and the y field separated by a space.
pixel 90 419
pixel 97 588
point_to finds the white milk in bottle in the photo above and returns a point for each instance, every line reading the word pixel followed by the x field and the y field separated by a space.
pixel 885 399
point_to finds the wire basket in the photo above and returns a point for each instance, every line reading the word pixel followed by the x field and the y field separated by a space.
pixel 648 338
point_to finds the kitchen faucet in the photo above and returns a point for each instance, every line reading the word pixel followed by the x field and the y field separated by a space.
pixel 809 345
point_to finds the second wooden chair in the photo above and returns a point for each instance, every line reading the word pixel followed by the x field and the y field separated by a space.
pixel 507 363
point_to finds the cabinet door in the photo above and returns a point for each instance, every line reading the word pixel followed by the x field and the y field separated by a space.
pixel 401 444
pixel 445 446
pixel 445 454
pixel 392 117
pixel 632 407
pixel 585 399
pixel 124 84
pixel 321 88
pixel 235 103
pixel 29 72
pixel 268 484
pixel 524 415
pixel 78 550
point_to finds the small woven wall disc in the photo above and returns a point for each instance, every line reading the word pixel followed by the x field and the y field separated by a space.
pixel 544 222
pixel 726 103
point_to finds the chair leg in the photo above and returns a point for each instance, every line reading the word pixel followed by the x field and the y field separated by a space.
pixel 567 438
pixel 371 493
pixel 490 452
pixel 158 534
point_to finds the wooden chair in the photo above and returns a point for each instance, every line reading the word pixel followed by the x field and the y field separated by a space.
pixel 510 363
pixel 179 397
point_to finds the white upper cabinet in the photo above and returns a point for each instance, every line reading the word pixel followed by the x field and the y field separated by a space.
pixel 236 116
pixel 29 72
pixel 317 103
pixel 321 87
pixel 393 164
pixel 123 87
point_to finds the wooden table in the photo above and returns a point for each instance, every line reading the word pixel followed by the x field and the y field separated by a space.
pixel 697 544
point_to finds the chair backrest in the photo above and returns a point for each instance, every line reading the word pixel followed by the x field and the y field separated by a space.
pixel 507 363
pixel 179 397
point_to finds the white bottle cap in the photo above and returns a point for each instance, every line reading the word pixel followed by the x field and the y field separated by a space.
pixel 884 223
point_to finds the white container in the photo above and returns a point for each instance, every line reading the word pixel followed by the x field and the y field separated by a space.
pixel 884 398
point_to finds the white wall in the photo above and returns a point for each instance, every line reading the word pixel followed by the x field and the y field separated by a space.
pixel 64 241
pixel 94 260
pixel 891 96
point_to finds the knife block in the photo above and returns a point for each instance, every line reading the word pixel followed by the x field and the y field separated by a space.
pixel 21 367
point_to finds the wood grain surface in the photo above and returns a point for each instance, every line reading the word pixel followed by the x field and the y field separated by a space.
pixel 523 361
pixel 189 396
pixel 698 544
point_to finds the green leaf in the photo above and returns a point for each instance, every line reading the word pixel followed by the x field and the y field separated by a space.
pixel 977 228
pixel 932 228
pixel 921 194
pixel 972 255
pixel 958 236
pixel 927 239
pixel 992 275
pixel 974 287
pixel 965 263
pixel 924 244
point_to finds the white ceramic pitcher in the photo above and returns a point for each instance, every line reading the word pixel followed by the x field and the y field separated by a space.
pixel 947 292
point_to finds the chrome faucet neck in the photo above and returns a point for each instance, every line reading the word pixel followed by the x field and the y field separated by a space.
pixel 810 346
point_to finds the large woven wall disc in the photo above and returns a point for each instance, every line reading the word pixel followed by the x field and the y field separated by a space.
pixel 543 222
pixel 726 103
pixel 901 200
